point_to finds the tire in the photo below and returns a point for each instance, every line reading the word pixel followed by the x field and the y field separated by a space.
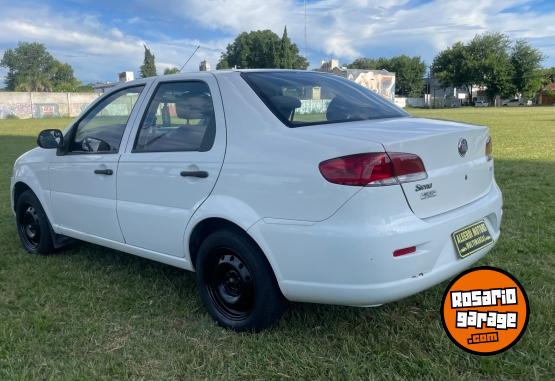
pixel 33 226
pixel 236 283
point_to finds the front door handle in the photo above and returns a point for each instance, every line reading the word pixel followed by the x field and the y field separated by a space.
pixel 200 174
pixel 107 172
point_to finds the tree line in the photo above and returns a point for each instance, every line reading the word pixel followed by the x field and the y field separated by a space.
pixel 491 60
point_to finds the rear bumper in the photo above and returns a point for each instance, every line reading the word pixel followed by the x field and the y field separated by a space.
pixel 348 258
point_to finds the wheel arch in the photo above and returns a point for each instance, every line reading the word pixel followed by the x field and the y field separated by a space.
pixel 206 227
pixel 211 224
pixel 18 189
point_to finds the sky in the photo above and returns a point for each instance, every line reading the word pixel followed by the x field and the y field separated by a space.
pixel 101 38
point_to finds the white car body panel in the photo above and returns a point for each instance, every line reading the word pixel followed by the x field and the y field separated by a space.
pixel 154 202
pixel 326 243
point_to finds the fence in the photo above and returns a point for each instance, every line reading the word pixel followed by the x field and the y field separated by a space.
pixel 43 105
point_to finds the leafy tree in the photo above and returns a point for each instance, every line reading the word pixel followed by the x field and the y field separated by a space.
pixel 409 71
pixel 32 68
pixel 148 68
pixel 365 63
pixel 526 62
pixel 63 78
pixel 454 67
pixel 171 70
pixel 490 58
pixel 262 49
pixel 409 74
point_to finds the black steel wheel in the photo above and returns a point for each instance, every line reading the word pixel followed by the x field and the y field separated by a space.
pixel 32 224
pixel 236 282
pixel 230 285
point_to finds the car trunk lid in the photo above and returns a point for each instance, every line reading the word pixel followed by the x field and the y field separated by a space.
pixel 454 178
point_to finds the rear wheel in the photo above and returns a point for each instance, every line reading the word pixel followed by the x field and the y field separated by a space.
pixel 236 283
pixel 32 225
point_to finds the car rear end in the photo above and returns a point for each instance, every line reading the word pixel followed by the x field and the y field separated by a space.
pixel 425 204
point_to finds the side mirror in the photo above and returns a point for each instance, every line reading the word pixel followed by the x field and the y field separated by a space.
pixel 50 139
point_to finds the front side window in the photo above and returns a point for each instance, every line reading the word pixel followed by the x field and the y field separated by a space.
pixel 180 117
pixel 101 130
pixel 307 98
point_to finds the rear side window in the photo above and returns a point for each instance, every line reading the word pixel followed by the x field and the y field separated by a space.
pixel 307 98
pixel 180 117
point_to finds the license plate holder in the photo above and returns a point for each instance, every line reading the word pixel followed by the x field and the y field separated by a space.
pixel 471 238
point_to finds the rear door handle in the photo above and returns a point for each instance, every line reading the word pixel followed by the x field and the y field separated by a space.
pixel 200 174
pixel 107 172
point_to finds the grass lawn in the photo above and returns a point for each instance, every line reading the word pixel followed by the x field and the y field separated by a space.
pixel 94 313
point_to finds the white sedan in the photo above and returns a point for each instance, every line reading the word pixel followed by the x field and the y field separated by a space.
pixel 271 185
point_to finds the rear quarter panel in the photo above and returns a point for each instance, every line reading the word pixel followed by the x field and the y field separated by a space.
pixel 273 168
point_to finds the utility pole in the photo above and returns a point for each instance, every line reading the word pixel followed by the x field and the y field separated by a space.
pixel 305 47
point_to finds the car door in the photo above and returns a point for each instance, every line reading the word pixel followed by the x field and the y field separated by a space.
pixel 171 164
pixel 83 177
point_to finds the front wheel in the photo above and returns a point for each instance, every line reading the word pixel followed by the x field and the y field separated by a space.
pixel 32 225
pixel 236 283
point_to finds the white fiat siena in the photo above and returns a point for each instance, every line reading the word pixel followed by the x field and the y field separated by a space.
pixel 271 185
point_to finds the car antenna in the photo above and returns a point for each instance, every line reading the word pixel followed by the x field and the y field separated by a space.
pixel 188 59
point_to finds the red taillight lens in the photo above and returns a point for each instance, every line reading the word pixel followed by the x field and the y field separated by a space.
pixel 373 169
pixel 408 167
pixel 359 170
pixel 489 149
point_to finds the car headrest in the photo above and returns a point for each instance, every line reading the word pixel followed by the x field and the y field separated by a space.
pixel 194 106
pixel 337 110
pixel 285 104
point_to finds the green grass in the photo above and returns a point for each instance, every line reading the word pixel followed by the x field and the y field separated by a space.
pixel 94 313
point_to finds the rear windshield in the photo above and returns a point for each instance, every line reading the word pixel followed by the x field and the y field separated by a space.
pixel 307 98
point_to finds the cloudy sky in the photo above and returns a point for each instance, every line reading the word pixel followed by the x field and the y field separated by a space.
pixel 102 37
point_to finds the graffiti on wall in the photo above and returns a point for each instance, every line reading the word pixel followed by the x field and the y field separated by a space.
pixel 383 84
pixel 20 110
pixel 43 105
pixel 46 110
pixel 77 108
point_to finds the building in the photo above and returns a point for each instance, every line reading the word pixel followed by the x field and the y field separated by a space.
pixel 436 95
pixel 381 82
pixel 204 66
pixel 124 76
pixel 547 95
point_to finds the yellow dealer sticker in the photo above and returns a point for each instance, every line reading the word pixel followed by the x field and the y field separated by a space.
pixel 472 238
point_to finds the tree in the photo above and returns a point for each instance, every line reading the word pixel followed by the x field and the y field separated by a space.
pixel 262 49
pixel 365 63
pixel 491 61
pixel 63 78
pixel 492 65
pixel 32 68
pixel 148 68
pixel 526 62
pixel 409 72
pixel 285 54
pixel 454 67
pixel 171 70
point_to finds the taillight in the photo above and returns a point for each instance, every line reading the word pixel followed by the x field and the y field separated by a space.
pixel 373 169
pixel 489 149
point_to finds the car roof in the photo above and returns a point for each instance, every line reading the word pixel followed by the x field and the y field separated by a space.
pixel 216 73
